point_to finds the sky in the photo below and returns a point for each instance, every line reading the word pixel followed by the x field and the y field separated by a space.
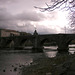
pixel 20 15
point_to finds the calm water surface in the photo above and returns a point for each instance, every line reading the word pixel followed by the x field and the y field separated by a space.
pixel 12 61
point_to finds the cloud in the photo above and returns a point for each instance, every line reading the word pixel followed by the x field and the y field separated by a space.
pixel 45 30
pixel 5 15
pixel 13 12
pixel 28 27
pixel 30 16
pixel 41 29
pixel 7 20
pixel 6 1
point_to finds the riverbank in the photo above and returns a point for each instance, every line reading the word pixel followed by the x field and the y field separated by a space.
pixel 59 65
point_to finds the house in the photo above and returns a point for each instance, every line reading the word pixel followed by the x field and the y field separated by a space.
pixel 7 33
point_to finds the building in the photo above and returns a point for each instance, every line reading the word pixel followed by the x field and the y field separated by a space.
pixel 7 33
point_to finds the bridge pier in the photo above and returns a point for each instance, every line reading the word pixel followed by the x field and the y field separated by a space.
pixel 62 43
pixel 37 50
pixel 63 49
pixel 36 45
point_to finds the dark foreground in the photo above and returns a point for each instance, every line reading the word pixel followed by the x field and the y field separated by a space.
pixel 59 65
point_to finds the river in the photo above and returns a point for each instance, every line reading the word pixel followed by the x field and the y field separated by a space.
pixel 12 61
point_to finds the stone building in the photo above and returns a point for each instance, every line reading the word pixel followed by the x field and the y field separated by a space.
pixel 7 32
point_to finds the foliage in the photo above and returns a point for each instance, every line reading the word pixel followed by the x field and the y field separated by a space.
pixel 42 66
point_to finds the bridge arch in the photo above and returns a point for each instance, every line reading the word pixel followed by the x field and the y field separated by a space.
pixel 9 43
pixel 71 41
pixel 22 42
pixel 26 42
pixel 47 42
pixel 51 41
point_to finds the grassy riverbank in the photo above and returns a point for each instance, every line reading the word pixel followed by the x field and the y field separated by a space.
pixel 50 66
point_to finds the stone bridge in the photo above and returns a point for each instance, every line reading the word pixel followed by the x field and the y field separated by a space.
pixel 62 41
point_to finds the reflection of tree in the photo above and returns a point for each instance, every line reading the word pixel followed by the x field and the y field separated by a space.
pixel 68 5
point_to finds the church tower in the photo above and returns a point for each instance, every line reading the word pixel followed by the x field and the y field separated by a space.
pixel 35 32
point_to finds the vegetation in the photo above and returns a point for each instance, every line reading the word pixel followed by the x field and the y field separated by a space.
pixel 25 33
pixel 46 65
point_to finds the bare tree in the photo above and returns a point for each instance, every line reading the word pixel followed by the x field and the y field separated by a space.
pixel 68 5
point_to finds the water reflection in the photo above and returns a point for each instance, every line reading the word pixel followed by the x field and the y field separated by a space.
pixel 72 49
pixel 51 54
pixel 51 47
pixel 12 61
pixel 51 51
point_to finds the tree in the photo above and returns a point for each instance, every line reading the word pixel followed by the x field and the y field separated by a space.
pixel 68 5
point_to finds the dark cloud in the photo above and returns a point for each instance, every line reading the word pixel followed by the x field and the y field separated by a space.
pixel 6 1
pixel 2 1
pixel 8 25
pixel 7 20
pixel 30 16
pixel 5 15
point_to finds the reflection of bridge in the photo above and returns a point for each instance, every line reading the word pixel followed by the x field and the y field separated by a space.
pixel 16 42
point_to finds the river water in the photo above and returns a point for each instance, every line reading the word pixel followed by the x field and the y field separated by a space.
pixel 12 61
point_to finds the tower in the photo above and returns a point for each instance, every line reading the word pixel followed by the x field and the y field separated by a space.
pixel 36 43
pixel 35 32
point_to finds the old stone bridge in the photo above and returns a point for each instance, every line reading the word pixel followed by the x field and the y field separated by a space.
pixel 62 41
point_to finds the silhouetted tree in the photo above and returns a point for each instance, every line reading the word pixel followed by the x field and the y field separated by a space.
pixel 68 5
